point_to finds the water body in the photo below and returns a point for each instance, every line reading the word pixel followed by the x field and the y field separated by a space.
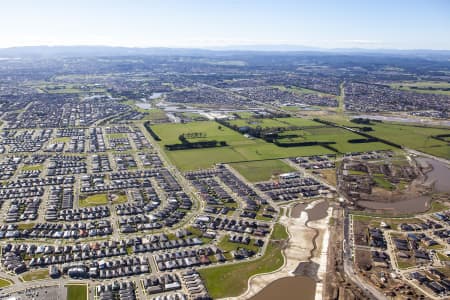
pixel 144 105
pixel 414 205
pixel 319 211
pixel 308 269
pixel 439 176
pixel 289 288
pixel 405 120
pixel 155 96
pixel 297 210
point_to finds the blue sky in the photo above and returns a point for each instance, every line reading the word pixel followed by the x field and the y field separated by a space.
pixel 401 24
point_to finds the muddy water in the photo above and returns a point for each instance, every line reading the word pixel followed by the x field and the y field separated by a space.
pixel 289 288
pixel 438 176
pixel 415 205
pixel 297 210
pixel 319 211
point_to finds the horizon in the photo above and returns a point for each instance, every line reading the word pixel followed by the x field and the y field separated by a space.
pixel 235 47
pixel 201 24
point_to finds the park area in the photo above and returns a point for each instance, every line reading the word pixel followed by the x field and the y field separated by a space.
pixel 102 199
pixel 231 280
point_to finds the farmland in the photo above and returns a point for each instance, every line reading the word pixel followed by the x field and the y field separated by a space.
pixel 431 87
pixel 415 137
pixel 278 122
pixel 239 147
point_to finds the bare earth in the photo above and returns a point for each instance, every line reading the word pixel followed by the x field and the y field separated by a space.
pixel 298 250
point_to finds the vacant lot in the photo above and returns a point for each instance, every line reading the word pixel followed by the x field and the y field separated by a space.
pixel 255 171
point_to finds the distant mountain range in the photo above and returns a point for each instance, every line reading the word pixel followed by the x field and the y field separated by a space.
pixel 211 51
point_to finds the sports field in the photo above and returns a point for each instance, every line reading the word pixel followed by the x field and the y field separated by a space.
pixel 77 292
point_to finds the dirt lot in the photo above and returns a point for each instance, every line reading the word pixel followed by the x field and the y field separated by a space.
pixel 360 232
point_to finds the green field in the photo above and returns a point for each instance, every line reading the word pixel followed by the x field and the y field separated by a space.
pixel 152 114
pixel 228 246
pixel 239 147
pixel 4 282
pixel 231 280
pixel 94 200
pixel 274 123
pixel 414 137
pixel 242 149
pixel 301 90
pixel 255 171
pixel 382 182
pixel 69 89
pixel 427 87
pixel 32 168
pixel 279 232
pixel 35 275
pixel 76 292
pixel 339 136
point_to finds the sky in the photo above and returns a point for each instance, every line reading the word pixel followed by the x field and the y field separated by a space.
pixel 397 24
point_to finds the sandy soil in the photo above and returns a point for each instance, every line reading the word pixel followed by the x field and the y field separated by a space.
pixel 298 250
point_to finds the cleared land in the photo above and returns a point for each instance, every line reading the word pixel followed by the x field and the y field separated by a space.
pixel 255 171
